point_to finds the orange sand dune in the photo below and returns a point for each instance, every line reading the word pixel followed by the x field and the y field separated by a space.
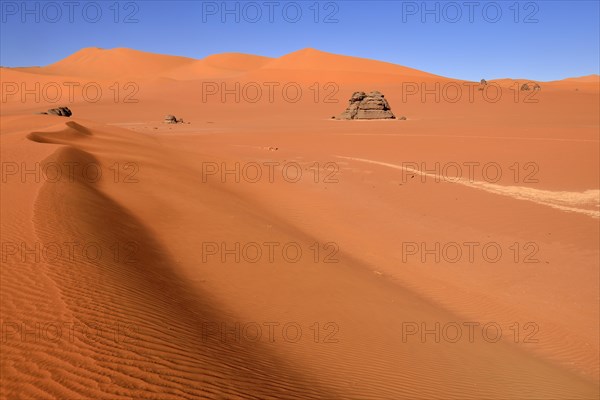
pixel 595 78
pixel 159 288
pixel 218 65
pixel 120 63
pixel 315 60
pixel 100 63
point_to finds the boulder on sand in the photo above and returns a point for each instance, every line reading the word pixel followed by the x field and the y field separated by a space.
pixel 171 119
pixel 60 111
pixel 367 106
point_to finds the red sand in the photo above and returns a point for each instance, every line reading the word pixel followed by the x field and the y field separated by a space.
pixel 362 196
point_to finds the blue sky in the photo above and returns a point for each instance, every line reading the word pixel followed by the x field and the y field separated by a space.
pixel 540 40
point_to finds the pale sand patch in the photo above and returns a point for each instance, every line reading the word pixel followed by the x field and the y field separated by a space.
pixel 560 200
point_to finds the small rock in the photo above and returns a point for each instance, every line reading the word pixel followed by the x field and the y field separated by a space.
pixel 171 119
pixel 60 111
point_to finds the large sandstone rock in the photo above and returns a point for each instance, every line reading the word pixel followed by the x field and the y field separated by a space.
pixel 367 106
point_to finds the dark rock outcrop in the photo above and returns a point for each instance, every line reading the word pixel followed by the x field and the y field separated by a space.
pixel 530 86
pixel 60 111
pixel 171 119
pixel 482 85
pixel 367 106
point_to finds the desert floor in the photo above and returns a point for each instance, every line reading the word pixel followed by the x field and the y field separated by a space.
pixel 262 249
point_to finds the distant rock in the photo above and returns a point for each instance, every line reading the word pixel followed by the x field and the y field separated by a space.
pixel 60 111
pixel 530 86
pixel 171 119
pixel 367 106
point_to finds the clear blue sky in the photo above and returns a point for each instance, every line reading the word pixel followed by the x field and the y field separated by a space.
pixel 541 40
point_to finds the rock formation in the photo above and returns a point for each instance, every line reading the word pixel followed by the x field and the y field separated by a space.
pixel 482 84
pixel 60 111
pixel 367 106
pixel 530 86
pixel 171 119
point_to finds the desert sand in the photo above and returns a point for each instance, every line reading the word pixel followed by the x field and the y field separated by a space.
pixel 153 304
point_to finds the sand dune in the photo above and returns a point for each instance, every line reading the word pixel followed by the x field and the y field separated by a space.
pixel 155 302
pixel 217 66
pixel 584 79
pixel 315 60
pixel 122 63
